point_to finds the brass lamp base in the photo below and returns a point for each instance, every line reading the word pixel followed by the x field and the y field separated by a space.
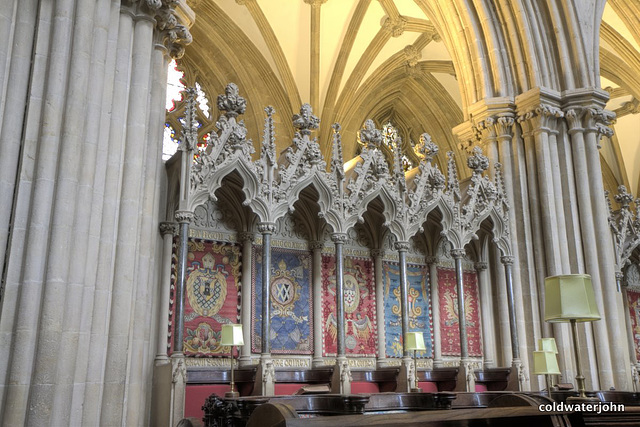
pixel 231 395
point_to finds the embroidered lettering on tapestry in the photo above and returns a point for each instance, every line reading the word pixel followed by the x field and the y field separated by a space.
pixel 291 328
pixel 449 329
pixel 419 307
pixel 359 307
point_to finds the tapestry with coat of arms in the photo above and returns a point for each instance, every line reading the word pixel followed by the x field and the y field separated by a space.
pixel 633 299
pixel 291 330
pixel 449 329
pixel 419 307
pixel 359 307
pixel 211 295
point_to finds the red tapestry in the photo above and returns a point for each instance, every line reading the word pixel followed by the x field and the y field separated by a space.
pixel 359 307
pixel 449 329
pixel 212 296
pixel 633 298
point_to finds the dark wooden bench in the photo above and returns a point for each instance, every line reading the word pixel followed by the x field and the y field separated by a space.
pixel 494 379
pixel 443 378
pixel 374 380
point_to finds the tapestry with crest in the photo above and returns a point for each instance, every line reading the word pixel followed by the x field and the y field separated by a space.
pixel 212 295
pixel 449 329
pixel 633 299
pixel 291 330
pixel 359 307
pixel 419 307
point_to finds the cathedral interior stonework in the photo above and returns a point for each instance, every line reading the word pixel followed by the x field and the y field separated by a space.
pixel 379 192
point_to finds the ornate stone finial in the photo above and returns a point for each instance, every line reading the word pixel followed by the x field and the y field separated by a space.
pixel 395 26
pixel 231 102
pixel 305 121
pixel 624 198
pixel 412 55
pixel 190 128
pixel 426 148
pixel 478 162
pixel 268 152
pixel 398 170
pixel 369 136
pixel 337 163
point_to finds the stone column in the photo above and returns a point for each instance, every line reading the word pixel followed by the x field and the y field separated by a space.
pixel 486 308
pixel 342 367
pixel 432 261
pixel 245 305
pixel 267 370
pixel 402 248
pixel 592 260
pixel 316 249
pixel 378 255
pixel 516 362
pixel 595 126
pixel 168 230
pixel 465 364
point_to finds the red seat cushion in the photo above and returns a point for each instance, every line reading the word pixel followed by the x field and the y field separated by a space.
pixel 364 387
pixel 286 389
pixel 428 386
pixel 481 387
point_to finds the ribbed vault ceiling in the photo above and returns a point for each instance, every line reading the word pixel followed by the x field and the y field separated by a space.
pixel 386 60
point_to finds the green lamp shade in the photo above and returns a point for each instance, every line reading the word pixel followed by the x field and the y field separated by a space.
pixel 232 335
pixel 545 363
pixel 414 341
pixel 548 344
pixel 570 297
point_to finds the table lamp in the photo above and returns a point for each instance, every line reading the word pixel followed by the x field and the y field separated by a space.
pixel 414 341
pixel 232 336
pixel 570 298
pixel 545 363
pixel 548 344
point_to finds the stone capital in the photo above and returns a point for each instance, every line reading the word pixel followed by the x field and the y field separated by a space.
pixel 377 253
pixel 507 259
pixel 168 228
pixel 173 20
pixel 458 253
pixel 480 266
pixel 267 227
pixel 184 216
pixel 339 238
pixel 401 246
pixel 316 245
pixel 246 236
pixel 432 260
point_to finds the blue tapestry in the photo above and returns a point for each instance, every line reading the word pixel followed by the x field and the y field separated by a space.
pixel 419 307
pixel 291 302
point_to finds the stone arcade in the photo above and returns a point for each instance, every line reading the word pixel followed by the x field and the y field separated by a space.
pixel 421 160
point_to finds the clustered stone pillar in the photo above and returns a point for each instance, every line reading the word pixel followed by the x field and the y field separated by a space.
pixel 80 158
pixel 585 123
